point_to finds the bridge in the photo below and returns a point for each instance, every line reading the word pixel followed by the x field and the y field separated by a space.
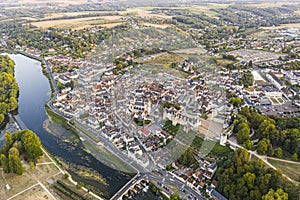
pixel 20 122
pixel 129 186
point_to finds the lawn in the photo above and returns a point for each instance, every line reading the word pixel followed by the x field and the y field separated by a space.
pixel 107 157
pixel 164 58
pixel 223 62
pixel 290 169
pixel 280 100
pixel 168 127
pixel 218 151
pixel 274 101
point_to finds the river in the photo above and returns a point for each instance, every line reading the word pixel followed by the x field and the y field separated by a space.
pixel 35 91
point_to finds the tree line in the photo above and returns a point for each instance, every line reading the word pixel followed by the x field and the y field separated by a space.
pixel 25 144
pixel 8 87
pixel 275 134
pixel 239 178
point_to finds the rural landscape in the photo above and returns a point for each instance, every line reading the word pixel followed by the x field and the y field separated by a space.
pixel 165 99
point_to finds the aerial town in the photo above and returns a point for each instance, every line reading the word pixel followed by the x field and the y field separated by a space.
pixel 187 101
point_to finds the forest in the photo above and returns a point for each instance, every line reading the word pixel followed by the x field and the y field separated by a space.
pixel 277 136
pixel 240 178
pixel 8 87
pixel 23 144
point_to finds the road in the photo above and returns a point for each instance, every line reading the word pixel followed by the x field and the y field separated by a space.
pixel 162 176
pixel 51 77
pixel 111 148
pixel 164 179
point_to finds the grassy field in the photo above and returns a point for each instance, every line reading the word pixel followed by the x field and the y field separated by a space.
pixel 270 4
pixel 223 62
pixel 290 169
pixel 282 26
pixel 78 23
pixel 218 151
pixel 164 58
pixel 143 12
pixel 44 171
pixel 207 9
pixel 107 157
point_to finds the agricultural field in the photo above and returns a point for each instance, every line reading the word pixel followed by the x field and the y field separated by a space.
pixel 207 9
pixel 282 26
pixel 78 23
pixel 270 4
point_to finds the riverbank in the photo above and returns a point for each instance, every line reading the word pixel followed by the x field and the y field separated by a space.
pixel 35 92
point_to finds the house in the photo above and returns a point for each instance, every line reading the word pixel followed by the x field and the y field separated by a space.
pixel 212 167
pixel 210 171
pixel 216 195
pixel 93 122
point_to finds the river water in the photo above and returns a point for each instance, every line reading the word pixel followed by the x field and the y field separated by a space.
pixel 35 91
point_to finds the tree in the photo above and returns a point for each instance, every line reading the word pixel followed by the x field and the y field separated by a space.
pixel 235 101
pixel 279 194
pixel 4 163
pixel 243 133
pixel 187 159
pixel 14 151
pixel 248 144
pixel 1 118
pixel 80 185
pixel 8 138
pixel 32 165
pixel 175 196
pixel 32 144
pixel 13 104
pixel 263 146
pixel 15 165
pixel 249 179
pixel 295 157
pixel 279 152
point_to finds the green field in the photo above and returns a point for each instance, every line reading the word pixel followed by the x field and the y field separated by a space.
pixel 292 170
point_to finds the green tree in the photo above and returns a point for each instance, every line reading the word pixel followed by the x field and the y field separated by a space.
pixel 14 152
pixel 243 133
pixel 13 103
pixel 175 196
pixel 279 194
pixel 32 144
pixel 15 165
pixel 263 145
pixel 1 118
pixel 187 159
pixel 295 157
pixel 279 152
pixel 4 163
pixel 8 138
pixel 248 144
pixel 32 165
pixel 249 179
pixel 235 101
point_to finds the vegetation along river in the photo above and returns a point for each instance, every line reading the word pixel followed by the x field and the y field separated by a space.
pixel 35 91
